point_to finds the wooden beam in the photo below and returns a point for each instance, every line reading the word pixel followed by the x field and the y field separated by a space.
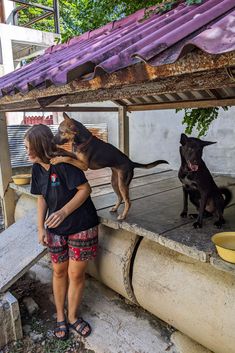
pixel 68 109
pixel 6 194
pixel 215 94
pixel 141 73
pixel 198 81
pixel 123 128
pixel 184 104
pixel 119 103
pixel 44 102
pixel 184 83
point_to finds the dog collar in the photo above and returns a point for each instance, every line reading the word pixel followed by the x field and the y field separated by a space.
pixel 84 144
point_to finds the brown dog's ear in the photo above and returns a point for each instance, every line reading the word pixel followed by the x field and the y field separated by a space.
pixel 66 117
pixel 207 143
pixel 183 139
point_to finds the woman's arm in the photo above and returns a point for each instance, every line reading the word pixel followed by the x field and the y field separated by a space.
pixel 42 210
pixel 56 218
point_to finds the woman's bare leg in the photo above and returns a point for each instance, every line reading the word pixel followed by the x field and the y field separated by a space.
pixel 60 287
pixel 76 273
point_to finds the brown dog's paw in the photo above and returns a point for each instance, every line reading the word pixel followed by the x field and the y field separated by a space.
pixel 59 159
pixel 183 214
pixel 113 209
pixel 121 217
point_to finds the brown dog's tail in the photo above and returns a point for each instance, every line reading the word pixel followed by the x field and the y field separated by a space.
pixel 227 195
pixel 149 165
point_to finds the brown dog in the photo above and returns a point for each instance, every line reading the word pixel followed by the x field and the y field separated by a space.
pixel 94 153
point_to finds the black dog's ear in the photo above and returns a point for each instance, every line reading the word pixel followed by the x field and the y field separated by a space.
pixel 66 117
pixel 207 143
pixel 183 139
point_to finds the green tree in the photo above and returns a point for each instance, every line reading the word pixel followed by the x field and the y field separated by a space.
pixel 79 16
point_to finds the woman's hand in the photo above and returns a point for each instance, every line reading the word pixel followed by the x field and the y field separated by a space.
pixel 55 219
pixel 42 237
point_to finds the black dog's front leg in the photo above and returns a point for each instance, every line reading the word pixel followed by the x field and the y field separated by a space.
pixel 185 209
pixel 202 206
pixel 219 203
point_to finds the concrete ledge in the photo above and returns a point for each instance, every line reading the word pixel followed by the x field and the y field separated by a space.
pixel 192 296
pixel 113 263
pixel 19 250
pixel 222 265
pixel 10 323
pixel 184 344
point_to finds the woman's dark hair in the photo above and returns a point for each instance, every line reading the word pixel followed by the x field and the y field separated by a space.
pixel 41 142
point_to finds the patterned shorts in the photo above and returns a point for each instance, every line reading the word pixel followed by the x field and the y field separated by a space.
pixel 78 247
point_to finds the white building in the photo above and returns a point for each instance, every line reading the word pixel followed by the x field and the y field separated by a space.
pixel 18 43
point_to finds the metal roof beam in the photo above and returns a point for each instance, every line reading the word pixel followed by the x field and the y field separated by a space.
pixel 186 104
pixel 67 109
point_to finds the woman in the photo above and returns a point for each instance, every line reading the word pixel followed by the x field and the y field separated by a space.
pixel 67 224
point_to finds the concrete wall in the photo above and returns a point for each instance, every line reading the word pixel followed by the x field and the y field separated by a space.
pixel 156 134
pixel 110 118
pixel 15 34
pixel 8 7
pixel 160 132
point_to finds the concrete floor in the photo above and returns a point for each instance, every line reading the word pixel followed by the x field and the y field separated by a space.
pixel 118 326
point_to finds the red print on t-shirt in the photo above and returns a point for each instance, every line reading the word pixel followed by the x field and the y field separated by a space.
pixel 54 180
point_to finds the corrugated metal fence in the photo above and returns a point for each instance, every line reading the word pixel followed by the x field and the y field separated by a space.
pixel 16 144
pixel 16 140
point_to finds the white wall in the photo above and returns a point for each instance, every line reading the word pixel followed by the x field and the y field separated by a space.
pixel 8 8
pixel 110 118
pixel 156 134
pixel 159 133
pixel 9 35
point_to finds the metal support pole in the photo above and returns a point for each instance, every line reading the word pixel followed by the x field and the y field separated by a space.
pixel 7 195
pixel 56 16
pixel 123 126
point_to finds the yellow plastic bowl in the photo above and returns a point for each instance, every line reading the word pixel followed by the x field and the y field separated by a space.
pixel 225 245
pixel 21 179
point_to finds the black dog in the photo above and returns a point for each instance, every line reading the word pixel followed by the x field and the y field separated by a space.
pixel 198 183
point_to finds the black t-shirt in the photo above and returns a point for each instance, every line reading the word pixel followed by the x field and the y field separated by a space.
pixel 58 186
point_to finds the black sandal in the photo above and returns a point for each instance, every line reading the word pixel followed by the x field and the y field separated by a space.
pixel 79 325
pixel 64 329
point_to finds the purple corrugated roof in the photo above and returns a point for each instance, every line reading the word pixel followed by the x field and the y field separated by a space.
pixel 157 40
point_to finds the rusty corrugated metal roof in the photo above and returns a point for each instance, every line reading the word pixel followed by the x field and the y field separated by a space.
pixel 157 40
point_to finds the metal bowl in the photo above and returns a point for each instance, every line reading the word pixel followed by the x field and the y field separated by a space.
pixel 225 245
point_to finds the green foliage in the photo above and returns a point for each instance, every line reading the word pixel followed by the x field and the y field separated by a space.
pixel 58 346
pixel 193 2
pixel 76 17
pixel 200 119
pixel 79 16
